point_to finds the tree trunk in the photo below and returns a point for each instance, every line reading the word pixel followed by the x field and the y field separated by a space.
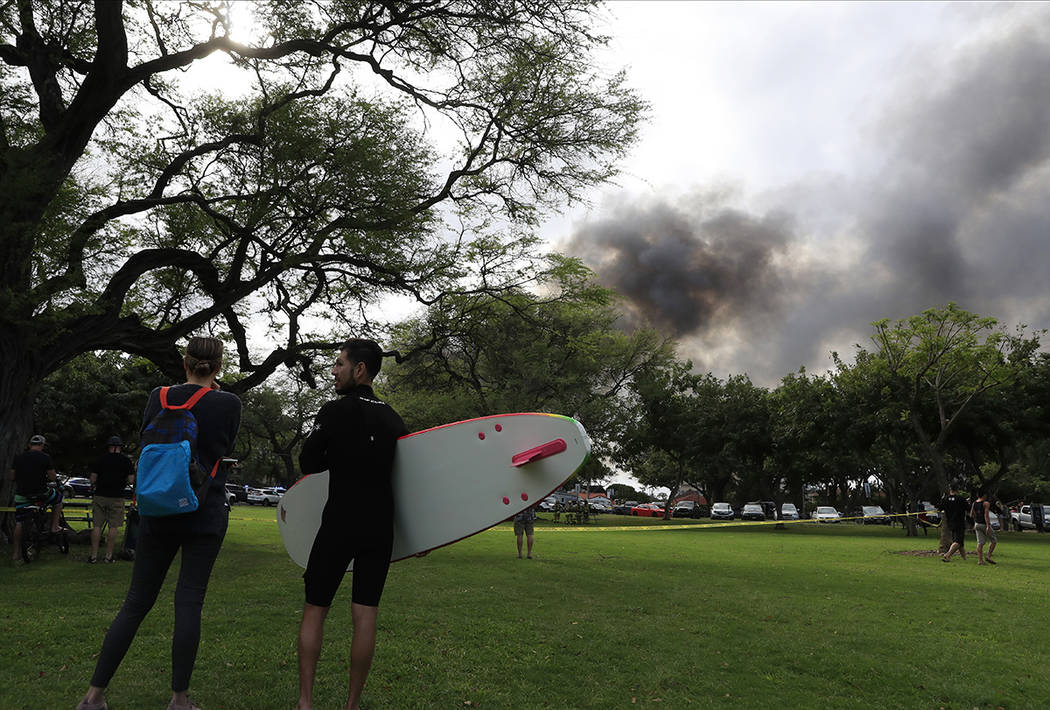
pixel 19 383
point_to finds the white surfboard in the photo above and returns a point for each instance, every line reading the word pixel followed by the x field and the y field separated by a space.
pixel 454 481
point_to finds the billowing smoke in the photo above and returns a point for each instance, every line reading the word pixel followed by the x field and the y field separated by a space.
pixel 958 209
pixel 684 268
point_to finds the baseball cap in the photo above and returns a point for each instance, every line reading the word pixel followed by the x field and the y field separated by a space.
pixel 37 439
pixel 114 441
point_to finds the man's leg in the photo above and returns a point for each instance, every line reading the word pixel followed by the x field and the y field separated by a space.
pixel 529 538
pixel 16 543
pixel 311 632
pixel 980 553
pixel 56 516
pixel 362 648
pixel 111 541
pixel 96 536
pixel 518 535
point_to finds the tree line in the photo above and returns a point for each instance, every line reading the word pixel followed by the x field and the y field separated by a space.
pixel 944 396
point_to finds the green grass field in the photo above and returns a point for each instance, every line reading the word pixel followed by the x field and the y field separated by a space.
pixel 679 617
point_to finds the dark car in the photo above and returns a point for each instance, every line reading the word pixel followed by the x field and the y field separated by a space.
pixel 624 508
pixel 76 487
pixel 686 509
pixel 752 511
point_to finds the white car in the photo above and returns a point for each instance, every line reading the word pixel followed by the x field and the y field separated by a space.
pixel 721 511
pixel 788 511
pixel 826 514
pixel 264 496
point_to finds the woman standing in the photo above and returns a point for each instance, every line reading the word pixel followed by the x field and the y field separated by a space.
pixel 198 534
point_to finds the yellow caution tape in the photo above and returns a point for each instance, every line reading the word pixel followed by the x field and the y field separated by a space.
pixel 741 523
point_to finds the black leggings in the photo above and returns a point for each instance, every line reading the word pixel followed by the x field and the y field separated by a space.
pixel 154 554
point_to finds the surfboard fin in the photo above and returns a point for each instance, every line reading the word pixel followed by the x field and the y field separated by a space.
pixel 539 452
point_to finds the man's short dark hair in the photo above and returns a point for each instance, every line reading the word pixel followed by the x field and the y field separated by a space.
pixel 366 351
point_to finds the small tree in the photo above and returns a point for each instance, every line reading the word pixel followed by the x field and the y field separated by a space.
pixel 940 363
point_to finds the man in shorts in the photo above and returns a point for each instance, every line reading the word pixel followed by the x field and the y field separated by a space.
pixel 111 473
pixel 354 438
pixel 524 524
pixel 31 471
pixel 955 508
pixel 982 526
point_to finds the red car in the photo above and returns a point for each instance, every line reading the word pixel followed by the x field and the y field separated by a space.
pixel 648 510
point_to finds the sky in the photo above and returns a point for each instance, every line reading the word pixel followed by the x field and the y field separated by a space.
pixel 807 169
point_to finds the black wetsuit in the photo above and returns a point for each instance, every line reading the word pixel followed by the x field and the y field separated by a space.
pixel 354 438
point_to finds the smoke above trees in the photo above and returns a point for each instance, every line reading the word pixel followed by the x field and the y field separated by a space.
pixel 952 207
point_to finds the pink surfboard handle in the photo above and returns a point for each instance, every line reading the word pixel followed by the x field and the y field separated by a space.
pixel 539 452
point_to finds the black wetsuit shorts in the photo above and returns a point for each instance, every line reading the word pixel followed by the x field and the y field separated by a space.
pixel 332 553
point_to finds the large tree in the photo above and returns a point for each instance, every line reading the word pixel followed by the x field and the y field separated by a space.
pixel 136 208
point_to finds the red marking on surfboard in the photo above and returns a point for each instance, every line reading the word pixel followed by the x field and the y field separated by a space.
pixel 499 427
pixel 539 452
pixel 506 500
pixel 481 435
pixel 524 496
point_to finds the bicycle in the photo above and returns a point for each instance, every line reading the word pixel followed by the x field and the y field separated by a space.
pixel 36 531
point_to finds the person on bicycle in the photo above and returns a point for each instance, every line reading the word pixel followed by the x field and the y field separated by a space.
pixel 31 471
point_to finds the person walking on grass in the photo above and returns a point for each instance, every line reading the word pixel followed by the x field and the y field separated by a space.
pixel 198 534
pixel 982 526
pixel 354 438
pixel 955 508
pixel 110 474
pixel 524 524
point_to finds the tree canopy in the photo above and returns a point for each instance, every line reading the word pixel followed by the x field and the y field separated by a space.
pixel 137 208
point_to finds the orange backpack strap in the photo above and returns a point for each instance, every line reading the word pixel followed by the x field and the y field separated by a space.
pixel 188 404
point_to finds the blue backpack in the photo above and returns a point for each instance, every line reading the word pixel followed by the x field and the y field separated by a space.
pixel 170 478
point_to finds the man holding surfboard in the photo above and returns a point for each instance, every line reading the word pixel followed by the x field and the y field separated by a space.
pixel 354 438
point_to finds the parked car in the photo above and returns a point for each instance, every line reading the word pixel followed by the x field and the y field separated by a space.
pixel 624 508
pixel 600 506
pixel 788 511
pixel 1022 519
pixel 236 494
pixel 721 511
pixel 769 508
pixel 76 487
pixel 930 513
pixel 872 515
pixel 264 496
pixel 548 503
pixel 686 509
pixel 826 514
pixel 648 510
pixel 240 492
pixel 752 511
